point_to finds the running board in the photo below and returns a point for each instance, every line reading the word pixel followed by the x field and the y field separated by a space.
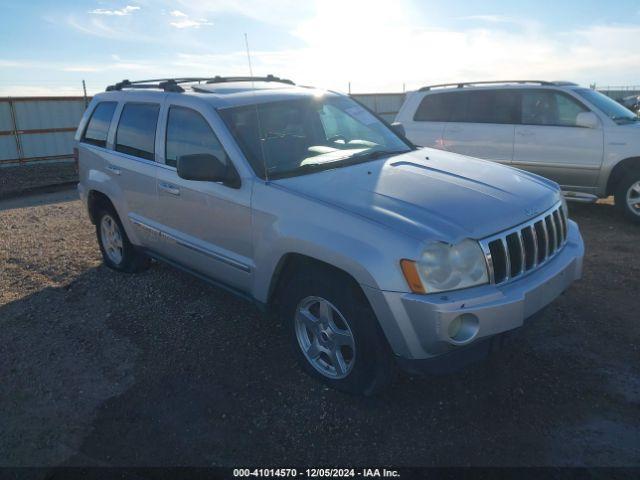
pixel 579 197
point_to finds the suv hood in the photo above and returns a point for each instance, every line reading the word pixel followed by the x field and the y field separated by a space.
pixel 431 194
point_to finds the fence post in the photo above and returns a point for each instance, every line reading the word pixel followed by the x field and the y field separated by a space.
pixel 16 134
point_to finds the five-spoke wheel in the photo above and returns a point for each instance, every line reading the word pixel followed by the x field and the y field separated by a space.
pixel 325 337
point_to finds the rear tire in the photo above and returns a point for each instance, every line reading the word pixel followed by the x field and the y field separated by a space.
pixel 118 252
pixel 334 332
pixel 627 196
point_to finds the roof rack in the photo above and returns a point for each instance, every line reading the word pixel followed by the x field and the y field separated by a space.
pixel 268 78
pixel 491 82
pixel 173 84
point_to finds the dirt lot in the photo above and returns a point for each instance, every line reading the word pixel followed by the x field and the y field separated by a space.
pixel 18 180
pixel 101 368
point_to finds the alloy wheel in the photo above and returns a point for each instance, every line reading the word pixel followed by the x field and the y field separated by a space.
pixel 111 239
pixel 325 337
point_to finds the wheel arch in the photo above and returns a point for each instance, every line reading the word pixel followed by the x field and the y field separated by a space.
pixel 95 200
pixel 618 172
pixel 292 261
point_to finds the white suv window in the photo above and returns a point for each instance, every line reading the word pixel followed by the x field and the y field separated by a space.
pixel 546 107
pixel 479 106
pixel 189 133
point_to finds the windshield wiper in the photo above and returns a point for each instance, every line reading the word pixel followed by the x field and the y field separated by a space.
pixel 377 154
pixel 338 163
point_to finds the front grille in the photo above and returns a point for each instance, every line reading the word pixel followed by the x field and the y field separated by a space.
pixel 526 247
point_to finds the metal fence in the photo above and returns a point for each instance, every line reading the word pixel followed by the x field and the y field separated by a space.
pixel 38 129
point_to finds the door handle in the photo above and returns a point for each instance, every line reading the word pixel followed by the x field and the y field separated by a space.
pixel 114 170
pixel 167 187
pixel 526 133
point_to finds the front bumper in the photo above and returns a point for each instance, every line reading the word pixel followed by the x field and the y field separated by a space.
pixel 417 326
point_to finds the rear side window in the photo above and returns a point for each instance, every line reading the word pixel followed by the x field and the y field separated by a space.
pixel 546 107
pixel 189 133
pixel 136 132
pixel 436 108
pixel 98 126
pixel 490 106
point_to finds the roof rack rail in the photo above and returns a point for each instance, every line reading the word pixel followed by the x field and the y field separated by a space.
pixel 486 82
pixel 564 83
pixel 268 78
pixel 173 84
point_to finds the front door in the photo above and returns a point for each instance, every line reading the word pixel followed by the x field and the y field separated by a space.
pixel 206 226
pixel 548 141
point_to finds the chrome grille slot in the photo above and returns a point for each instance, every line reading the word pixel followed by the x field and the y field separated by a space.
pixel 530 248
pixel 559 227
pixel 499 257
pixel 551 228
pixel 543 241
pixel 515 254
pixel 524 248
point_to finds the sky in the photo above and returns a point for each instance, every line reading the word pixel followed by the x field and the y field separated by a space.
pixel 49 47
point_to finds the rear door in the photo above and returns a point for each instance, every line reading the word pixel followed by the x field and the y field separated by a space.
pixel 205 225
pixel 549 143
pixel 131 163
pixel 481 124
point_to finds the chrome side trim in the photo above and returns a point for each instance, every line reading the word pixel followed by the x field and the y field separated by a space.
pixel 184 243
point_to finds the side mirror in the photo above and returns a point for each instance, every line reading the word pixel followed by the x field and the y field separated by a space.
pixel 207 167
pixel 399 129
pixel 587 120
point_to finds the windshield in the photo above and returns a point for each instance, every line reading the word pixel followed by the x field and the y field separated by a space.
pixel 608 106
pixel 299 136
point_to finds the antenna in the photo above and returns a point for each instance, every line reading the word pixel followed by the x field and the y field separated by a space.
pixel 246 44
pixel 253 93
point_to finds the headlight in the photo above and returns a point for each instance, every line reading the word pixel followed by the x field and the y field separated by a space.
pixel 445 267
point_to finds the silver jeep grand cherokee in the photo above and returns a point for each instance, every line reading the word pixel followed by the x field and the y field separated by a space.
pixel 373 253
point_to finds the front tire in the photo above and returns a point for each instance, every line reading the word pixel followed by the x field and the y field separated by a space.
pixel 334 332
pixel 627 196
pixel 117 251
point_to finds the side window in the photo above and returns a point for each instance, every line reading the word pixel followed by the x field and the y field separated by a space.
pixel 98 126
pixel 490 106
pixel 545 107
pixel 136 132
pixel 442 107
pixel 189 133
pixel 434 108
pixel 568 110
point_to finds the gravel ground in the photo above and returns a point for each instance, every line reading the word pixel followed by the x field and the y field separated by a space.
pixel 102 368
pixel 17 180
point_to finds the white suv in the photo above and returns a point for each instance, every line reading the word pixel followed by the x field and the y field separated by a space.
pixel 576 136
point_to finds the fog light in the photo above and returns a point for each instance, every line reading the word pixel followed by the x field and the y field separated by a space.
pixel 463 328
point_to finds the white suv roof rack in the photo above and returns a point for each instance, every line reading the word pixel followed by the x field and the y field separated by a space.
pixel 494 82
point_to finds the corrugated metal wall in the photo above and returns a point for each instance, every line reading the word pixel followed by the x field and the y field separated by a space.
pixel 387 105
pixel 35 129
